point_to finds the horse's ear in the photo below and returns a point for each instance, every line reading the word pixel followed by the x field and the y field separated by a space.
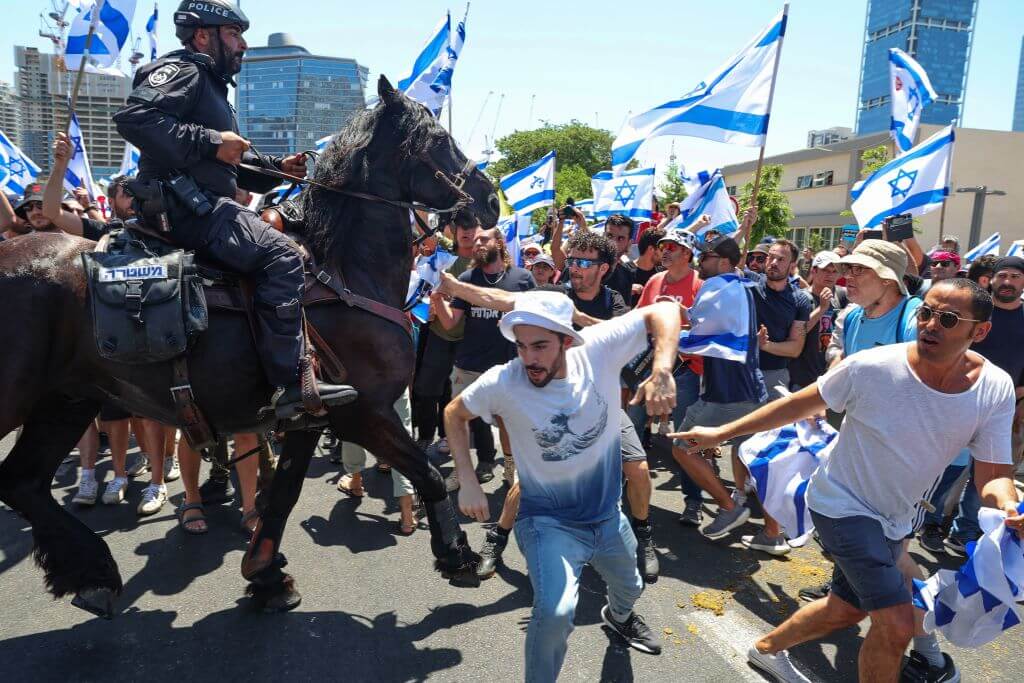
pixel 385 91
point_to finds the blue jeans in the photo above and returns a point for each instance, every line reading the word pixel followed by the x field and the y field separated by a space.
pixel 938 499
pixel 687 393
pixel 965 526
pixel 555 553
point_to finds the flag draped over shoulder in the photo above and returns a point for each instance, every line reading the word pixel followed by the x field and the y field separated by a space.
pixel 719 320
pixel 731 105
pixel 17 171
pixel 911 92
pixel 531 187
pixel 781 462
pixel 628 194
pixel 112 20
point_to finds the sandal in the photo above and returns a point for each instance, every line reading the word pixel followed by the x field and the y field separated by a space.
pixel 184 523
pixel 248 517
pixel 345 486
pixel 407 530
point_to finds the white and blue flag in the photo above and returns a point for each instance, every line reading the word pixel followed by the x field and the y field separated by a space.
pixel 719 320
pixel 111 21
pixel 424 278
pixel 692 181
pixel 442 84
pixel 531 187
pixel 129 161
pixel 79 173
pixel 781 462
pixel 17 171
pixel 731 105
pixel 914 183
pixel 1016 248
pixel 151 30
pixel 586 207
pixel 911 92
pixel 481 165
pixel 988 246
pixel 599 180
pixel 975 604
pixel 418 85
pixel 629 194
pixel 513 228
pixel 710 198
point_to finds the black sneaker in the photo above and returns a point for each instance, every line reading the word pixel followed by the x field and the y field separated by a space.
pixel 956 545
pixel 634 631
pixel 490 554
pixel 931 539
pixel 916 669
pixel 692 515
pixel 217 490
pixel 815 592
pixel 485 471
pixel 646 557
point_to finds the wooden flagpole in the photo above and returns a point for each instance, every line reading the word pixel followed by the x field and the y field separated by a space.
pixel 81 65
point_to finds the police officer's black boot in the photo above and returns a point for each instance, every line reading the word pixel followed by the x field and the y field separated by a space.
pixel 647 558
pixel 292 401
pixel 490 552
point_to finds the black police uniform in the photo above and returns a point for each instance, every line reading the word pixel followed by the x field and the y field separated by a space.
pixel 174 117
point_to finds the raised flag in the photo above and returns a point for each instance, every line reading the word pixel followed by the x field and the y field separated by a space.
pixel 586 207
pixel 129 161
pixel 599 180
pixel 151 30
pixel 911 92
pixel 442 84
pixel 731 105
pixel 531 187
pixel 711 198
pixel 431 59
pixel 629 194
pixel 17 171
pixel 79 173
pixel 719 320
pixel 111 21
pixel 1016 248
pixel 989 246
pixel 915 183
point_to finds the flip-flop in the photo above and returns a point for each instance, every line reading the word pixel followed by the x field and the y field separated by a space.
pixel 183 523
pixel 345 486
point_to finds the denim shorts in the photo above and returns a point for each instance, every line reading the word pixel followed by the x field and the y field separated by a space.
pixel 865 573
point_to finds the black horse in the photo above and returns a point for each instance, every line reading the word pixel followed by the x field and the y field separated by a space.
pixel 52 379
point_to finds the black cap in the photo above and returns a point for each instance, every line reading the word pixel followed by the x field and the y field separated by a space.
pixel 193 14
pixel 1009 262
pixel 723 246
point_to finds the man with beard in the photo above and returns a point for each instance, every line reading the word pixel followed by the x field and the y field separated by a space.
pixel 179 118
pixel 560 403
pixel 30 210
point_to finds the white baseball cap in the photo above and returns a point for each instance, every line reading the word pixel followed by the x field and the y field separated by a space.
pixel 548 310
pixel 825 258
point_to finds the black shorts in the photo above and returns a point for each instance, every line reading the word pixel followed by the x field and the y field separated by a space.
pixel 111 413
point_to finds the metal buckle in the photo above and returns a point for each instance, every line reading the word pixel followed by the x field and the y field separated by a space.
pixel 323 277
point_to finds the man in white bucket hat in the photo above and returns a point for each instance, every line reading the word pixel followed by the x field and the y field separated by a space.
pixel 559 401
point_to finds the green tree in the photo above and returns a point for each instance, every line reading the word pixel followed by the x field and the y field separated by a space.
pixel 672 190
pixel 773 212
pixel 575 144
pixel 872 159
pixel 571 181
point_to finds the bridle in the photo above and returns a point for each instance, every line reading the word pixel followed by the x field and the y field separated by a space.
pixel 455 183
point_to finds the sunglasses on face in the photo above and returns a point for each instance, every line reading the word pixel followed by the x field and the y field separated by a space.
pixel 34 206
pixel 944 264
pixel 757 258
pixel 853 269
pixel 947 319
pixel 669 246
pixel 581 262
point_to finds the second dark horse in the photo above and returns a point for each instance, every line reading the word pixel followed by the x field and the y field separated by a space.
pixel 52 379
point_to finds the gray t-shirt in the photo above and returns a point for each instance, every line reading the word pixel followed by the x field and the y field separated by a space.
pixel 900 434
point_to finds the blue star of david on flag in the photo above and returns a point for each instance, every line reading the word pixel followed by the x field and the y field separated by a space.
pixel 900 189
pixel 77 139
pixel 621 191
pixel 17 171
pixel 629 194
pixel 914 101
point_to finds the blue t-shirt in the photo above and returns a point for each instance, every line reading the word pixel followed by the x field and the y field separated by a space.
pixel 726 381
pixel 897 326
pixel 777 310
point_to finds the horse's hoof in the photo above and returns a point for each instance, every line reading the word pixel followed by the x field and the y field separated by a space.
pixel 277 597
pixel 98 601
pixel 463 576
pixel 259 555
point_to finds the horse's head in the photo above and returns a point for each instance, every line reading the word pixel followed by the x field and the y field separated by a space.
pixel 432 169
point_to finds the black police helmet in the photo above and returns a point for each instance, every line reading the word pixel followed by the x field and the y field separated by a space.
pixel 193 14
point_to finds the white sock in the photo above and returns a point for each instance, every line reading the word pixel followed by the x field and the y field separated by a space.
pixel 928 646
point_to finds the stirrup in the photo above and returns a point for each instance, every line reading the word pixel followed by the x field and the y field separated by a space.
pixel 292 407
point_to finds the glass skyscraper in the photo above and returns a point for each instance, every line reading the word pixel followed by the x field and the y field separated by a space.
pixel 287 98
pixel 1018 101
pixel 937 33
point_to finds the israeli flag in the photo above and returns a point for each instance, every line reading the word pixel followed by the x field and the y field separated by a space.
pixel 989 246
pixel 531 187
pixel 781 462
pixel 914 183
pixel 111 21
pixel 426 276
pixel 418 85
pixel 17 171
pixel 151 30
pixel 719 320
pixel 731 105
pixel 1016 248
pixel 976 603
pixel 710 198
pixel 693 181
pixel 79 173
pixel 911 92
pixel 629 194
pixel 586 207
pixel 442 84
pixel 599 180
pixel 129 161
pixel 322 143
pixel 483 164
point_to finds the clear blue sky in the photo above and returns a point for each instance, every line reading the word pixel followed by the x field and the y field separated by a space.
pixel 597 61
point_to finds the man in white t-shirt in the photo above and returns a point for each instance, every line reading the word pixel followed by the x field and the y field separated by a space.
pixel 942 398
pixel 559 402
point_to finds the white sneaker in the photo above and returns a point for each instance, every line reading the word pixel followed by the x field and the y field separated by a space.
pixel 87 491
pixel 171 470
pixel 451 482
pixel 153 498
pixel 138 463
pixel 777 666
pixel 114 492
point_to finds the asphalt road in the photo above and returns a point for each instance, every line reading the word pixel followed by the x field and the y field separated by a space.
pixel 374 610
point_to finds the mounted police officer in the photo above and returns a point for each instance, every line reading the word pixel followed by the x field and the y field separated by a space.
pixel 179 117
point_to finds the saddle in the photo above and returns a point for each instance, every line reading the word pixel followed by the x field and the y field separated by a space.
pixel 150 301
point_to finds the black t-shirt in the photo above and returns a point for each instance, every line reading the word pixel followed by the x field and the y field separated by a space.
pixel 621 280
pixel 606 305
pixel 778 310
pixel 1004 343
pixel 483 346
pixel 810 364
pixel 93 229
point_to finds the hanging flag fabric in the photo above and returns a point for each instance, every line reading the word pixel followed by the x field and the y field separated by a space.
pixel 129 161
pixel 112 20
pixel 79 173
pixel 976 603
pixel 509 226
pixel 1016 248
pixel 431 59
pixel 531 187
pixel 911 92
pixel 17 171
pixel 989 246
pixel 730 105
pixel 781 462
pixel 586 207
pixel 599 180
pixel 442 84
pixel 719 320
pixel 322 143
pixel 915 183
pixel 151 30
pixel 711 198
pixel 629 194
pixel 427 275
pixel 483 164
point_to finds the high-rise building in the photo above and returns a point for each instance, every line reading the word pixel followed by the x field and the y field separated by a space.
pixel 937 33
pixel 10 112
pixel 828 136
pixel 288 98
pixel 1018 103
pixel 43 89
